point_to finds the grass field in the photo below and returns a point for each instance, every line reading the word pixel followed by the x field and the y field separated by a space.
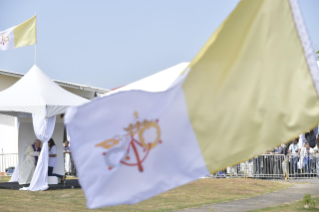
pixel 198 193
pixel 292 207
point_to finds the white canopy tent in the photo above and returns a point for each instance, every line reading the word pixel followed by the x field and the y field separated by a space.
pixel 37 94
pixel 157 82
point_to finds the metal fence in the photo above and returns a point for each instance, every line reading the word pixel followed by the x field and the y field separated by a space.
pixel 263 166
pixel 305 165
pixel 6 161
pixel 271 166
pixel 11 160
pixel 274 166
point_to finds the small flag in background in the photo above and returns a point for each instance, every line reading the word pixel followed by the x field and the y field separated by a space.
pixel 253 86
pixel 19 36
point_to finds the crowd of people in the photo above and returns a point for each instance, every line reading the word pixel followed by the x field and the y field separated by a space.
pixel 301 153
pixel 31 157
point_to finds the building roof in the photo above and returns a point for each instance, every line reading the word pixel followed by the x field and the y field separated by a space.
pixel 61 83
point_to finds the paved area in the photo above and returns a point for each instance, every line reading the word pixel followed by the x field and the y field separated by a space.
pixel 305 180
pixel 288 195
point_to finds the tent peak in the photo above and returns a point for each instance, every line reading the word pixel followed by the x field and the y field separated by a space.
pixel 36 93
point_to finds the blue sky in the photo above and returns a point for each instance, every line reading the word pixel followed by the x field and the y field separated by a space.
pixel 108 43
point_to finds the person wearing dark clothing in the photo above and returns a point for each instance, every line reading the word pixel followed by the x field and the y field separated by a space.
pixel 312 139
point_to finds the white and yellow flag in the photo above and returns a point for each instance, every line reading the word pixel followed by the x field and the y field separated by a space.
pixel 19 36
pixel 253 86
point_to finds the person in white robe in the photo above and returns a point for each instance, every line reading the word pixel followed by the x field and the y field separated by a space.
pixel 29 162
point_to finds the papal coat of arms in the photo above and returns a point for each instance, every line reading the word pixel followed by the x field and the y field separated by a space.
pixel 4 39
pixel 138 147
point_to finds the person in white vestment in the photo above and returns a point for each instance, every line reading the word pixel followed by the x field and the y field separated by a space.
pixel 30 159
pixel 67 157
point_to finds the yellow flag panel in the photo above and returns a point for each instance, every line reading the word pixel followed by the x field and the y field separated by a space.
pixel 25 33
pixel 250 88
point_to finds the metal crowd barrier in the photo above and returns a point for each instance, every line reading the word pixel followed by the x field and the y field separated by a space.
pixel 9 160
pixel 6 161
pixel 302 166
pixel 241 170
pixel 274 166
pixel 269 166
pixel 265 166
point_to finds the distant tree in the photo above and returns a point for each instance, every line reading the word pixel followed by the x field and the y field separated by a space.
pixel 317 52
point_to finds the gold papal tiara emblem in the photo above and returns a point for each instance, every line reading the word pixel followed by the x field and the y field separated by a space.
pixel 138 149
pixel 4 39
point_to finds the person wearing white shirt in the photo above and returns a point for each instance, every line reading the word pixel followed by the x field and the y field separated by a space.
pixel 53 160
pixel 294 151
pixel 307 154
pixel 316 150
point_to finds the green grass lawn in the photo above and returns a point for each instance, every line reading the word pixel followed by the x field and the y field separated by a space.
pixel 292 207
pixel 4 179
pixel 198 193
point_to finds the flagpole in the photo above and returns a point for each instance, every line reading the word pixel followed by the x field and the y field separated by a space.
pixel 35 46
pixel 35 56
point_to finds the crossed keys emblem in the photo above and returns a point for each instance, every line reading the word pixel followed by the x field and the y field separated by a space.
pixel 137 150
pixel 4 39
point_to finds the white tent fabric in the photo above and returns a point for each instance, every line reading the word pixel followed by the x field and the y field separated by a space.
pixel 36 93
pixel 160 81
pixel 16 173
pixel 43 128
